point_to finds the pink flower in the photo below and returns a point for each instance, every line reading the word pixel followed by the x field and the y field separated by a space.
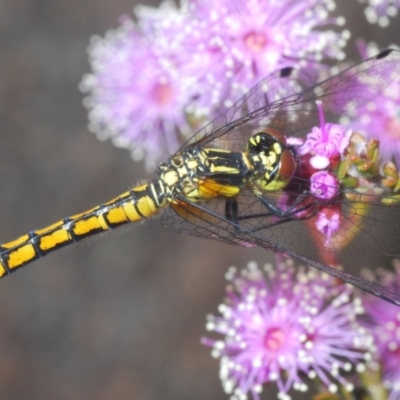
pixel 280 326
pixel 195 61
pixel 325 143
pixel 324 185
pixel 136 96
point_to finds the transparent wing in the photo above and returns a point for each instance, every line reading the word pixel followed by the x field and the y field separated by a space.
pixel 285 101
pixel 367 227
pixel 368 232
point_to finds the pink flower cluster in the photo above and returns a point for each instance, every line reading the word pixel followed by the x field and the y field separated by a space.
pixel 322 150
pixel 192 62
pixel 286 327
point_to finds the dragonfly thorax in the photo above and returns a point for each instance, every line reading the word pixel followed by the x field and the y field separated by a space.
pixel 274 163
pixel 199 174
pixel 178 173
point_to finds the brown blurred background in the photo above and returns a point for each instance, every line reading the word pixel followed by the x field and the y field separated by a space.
pixel 119 317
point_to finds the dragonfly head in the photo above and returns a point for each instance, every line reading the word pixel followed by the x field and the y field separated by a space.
pixel 274 164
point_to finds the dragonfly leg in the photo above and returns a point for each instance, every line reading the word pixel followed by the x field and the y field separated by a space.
pixel 232 212
pixel 293 208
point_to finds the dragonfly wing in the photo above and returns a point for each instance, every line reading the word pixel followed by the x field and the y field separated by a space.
pixel 207 221
pixel 276 86
pixel 202 221
pixel 369 286
pixel 286 101
pixel 367 226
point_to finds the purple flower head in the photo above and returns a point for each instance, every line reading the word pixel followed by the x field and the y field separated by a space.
pixel 325 143
pixel 194 61
pixel 285 326
pixel 231 45
pixel 135 96
pixel 324 185
pixel 384 324
pixel 379 11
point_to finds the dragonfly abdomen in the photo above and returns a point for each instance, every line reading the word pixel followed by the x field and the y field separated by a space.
pixel 132 206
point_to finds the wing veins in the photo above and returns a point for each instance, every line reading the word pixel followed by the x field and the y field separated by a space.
pixel 244 234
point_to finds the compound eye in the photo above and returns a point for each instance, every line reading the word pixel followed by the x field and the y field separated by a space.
pixel 287 166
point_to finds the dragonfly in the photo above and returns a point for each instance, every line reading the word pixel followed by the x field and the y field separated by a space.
pixel 226 181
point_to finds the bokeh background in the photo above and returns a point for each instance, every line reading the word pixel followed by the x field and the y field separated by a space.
pixel 119 317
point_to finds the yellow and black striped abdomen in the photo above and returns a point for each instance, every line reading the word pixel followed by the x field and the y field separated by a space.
pixel 194 176
pixel 134 205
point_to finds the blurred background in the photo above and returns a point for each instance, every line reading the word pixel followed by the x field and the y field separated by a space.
pixel 119 317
